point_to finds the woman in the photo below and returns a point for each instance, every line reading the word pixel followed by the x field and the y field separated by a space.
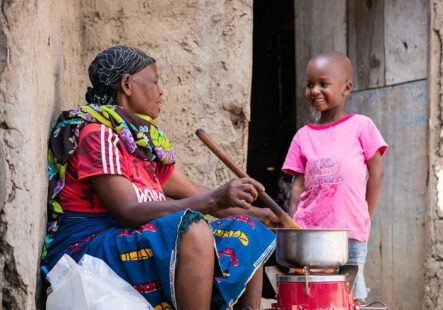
pixel 110 168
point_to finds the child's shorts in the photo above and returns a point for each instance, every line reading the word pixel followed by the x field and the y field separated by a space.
pixel 356 256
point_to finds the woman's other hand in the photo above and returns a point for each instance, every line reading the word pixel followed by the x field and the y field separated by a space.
pixel 226 197
pixel 266 216
pixel 237 193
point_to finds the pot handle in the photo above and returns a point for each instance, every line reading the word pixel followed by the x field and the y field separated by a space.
pixel 371 306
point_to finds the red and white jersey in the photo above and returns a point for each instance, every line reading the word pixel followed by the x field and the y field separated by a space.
pixel 100 152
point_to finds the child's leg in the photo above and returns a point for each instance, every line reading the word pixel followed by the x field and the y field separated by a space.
pixel 356 256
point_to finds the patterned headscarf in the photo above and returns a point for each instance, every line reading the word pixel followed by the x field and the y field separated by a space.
pixel 109 67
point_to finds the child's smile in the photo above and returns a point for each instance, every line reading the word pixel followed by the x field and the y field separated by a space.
pixel 327 84
pixel 322 91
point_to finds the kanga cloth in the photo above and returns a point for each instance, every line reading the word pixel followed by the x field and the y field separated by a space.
pixel 147 257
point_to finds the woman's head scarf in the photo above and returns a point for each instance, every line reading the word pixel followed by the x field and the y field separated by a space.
pixel 109 67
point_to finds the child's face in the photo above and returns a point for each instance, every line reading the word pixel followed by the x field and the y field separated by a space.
pixel 325 85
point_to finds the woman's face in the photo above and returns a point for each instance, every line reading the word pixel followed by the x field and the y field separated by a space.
pixel 146 94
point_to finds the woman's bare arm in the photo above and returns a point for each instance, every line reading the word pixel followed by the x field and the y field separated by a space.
pixel 118 195
pixel 179 186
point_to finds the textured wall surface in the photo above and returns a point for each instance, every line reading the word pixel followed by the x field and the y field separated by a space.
pixel 203 52
pixel 37 51
pixel 398 227
pixel 433 298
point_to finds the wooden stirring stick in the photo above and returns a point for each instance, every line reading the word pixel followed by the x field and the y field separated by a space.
pixel 221 153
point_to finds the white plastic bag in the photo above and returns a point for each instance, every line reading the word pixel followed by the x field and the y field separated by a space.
pixel 90 285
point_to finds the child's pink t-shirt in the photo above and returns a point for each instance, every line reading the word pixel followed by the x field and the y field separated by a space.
pixel 333 161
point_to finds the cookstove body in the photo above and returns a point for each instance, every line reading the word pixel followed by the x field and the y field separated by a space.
pixel 322 292
pixel 317 291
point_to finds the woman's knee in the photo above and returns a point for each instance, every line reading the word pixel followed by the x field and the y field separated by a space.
pixel 199 237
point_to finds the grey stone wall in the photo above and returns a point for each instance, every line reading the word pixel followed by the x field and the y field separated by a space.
pixel 203 52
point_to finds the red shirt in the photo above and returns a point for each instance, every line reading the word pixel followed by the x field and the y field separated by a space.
pixel 100 152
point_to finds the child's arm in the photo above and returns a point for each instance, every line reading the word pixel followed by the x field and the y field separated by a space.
pixel 375 182
pixel 297 189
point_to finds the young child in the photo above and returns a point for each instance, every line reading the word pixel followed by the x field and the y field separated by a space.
pixel 329 159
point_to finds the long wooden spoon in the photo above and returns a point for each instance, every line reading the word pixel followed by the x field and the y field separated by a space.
pixel 221 153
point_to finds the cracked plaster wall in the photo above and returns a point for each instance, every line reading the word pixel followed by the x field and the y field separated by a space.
pixel 203 50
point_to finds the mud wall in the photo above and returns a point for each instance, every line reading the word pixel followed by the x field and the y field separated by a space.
pixel 203 52
pixel 433 298
pixel 39 42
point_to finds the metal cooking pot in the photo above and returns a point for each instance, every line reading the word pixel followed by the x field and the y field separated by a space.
pixel 318 248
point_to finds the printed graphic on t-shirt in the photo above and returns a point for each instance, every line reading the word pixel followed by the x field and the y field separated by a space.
pixel 148 194
pixel 322 171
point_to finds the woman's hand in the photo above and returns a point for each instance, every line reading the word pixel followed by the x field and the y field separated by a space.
pixel 266 216
pixel 237 193
pixel 237 196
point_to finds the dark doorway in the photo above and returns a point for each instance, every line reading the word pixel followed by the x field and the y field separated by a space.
pixel 273 94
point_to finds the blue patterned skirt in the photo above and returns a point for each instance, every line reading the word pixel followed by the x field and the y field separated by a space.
pixel 146 257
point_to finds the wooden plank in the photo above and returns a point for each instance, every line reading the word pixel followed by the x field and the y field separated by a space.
pixel 394 265
pixel 320 26
pixel 366 42
pixel 406 39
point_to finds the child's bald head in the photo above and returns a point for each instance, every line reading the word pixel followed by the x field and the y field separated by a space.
pixel 336 61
